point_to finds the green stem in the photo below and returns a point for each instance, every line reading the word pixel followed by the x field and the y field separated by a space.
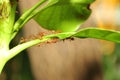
pixel 6 55
pixel 22 20
pixel 14 51
pixel 2 64
pixel 3 58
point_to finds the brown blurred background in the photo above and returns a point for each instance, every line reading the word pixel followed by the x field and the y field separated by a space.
pixel 80 59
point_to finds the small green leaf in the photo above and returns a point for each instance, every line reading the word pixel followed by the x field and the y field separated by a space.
pixel 102 34
pixel 64 15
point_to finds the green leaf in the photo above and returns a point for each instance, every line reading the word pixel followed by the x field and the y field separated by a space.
pixel 103 34
pixel 64 15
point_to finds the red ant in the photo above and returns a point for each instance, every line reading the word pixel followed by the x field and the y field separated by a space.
pixel 39 36
pixel 22 40
pixel 53 40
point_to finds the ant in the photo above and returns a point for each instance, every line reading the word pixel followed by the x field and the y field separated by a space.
pixel 69 38
pixel 53 40
pixel 22 40
pixel 39 36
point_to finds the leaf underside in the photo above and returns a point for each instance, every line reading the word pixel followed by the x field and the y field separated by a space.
pixel 64 15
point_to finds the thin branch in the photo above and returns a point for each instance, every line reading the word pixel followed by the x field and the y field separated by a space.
pixel 14 51
pixel 20 22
